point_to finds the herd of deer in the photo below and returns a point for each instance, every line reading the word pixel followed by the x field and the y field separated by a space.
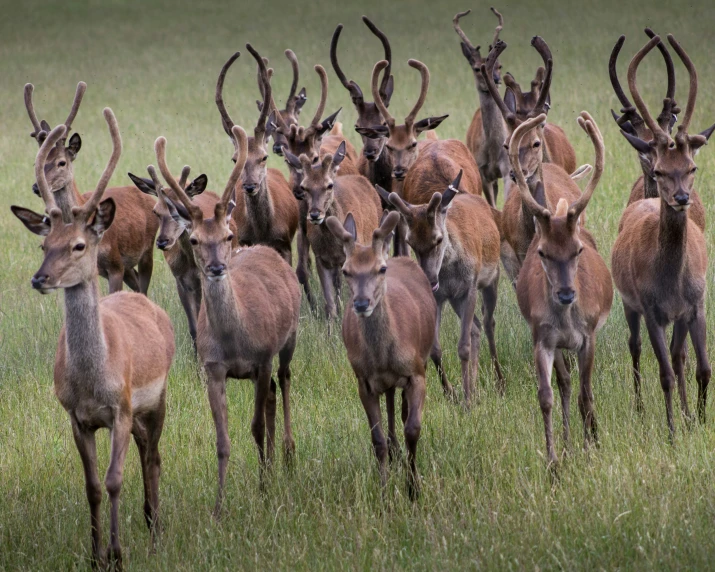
pixel 231 256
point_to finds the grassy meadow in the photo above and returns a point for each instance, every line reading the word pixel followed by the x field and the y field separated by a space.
pixel 487 499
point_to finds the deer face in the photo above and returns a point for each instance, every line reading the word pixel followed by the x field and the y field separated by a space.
pixel 59 171
pixel 674 172
pixel 254 173
pixel 368 115
pixel 280 140
pixel 211 241
pixel 531 151
pixel 70 250
pixel 425 235
pixel 364 271
pixel 475 60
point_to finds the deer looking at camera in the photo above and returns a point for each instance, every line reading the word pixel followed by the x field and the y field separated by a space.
pixel 634 129
pixel 388 332
pixel 129 243
pixel 326 195
pixel 659 259
pixel 266 211
pixel 249 314
pixel 456 241
pixel 114 353
pixel 564 290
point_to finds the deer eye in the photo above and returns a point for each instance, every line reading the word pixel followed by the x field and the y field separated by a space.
pixel 414 144
pixel 79 247
pixel 62 163
pixel 229 238
pixel 541 254
pixel 315 160
pixel 265 158
pixel 302 188
pixel 658 173
pixel 537 144
pixel 193 241
pixel 580 250
pixel 346 273
pixel 692 171
pixel 383 269
pixel 330 186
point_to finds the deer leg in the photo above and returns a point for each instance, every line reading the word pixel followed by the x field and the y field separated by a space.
pixel 262 387
pixel 677 356
pixel 585 397
pixel 392 445
pixel 563 381
pixel 633 319
pixel 698 335
pixel 510 261
pixel 464 307
pixel 219 411
pixel 140 438
pixel 544 360
pixel 476 337
pixel 155 427
pixel 338 285
pixel 284 358
pixel 489 296
pixel 115 279
pixel 302 268
pixel 131 279
pixel 145 267
pixel 487 190
pixel 326 282
pixel 667 375
pixel 188 303
pixel 401 238
pixel 120 437
pixel 415 397
pixel 271 406
pixel 87 448
pixel 371 404
pixel 436 353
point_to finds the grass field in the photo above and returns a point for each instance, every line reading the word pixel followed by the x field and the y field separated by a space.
pixel 488 500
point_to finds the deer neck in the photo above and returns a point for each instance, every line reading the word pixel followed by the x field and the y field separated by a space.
pixel 222 308
pixel 376 329
pixel 66 198
pixel 492 120
pixel 259 208
pixel 672 239
pixel 650 186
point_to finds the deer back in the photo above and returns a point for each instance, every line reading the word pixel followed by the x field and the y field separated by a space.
pixel 473 231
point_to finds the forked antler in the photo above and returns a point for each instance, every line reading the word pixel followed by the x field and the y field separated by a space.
pixel 588 124
pixel 542 47
pixel 40 130
pixel 527 199
pixel 487 70
pixel 499 28
pixel 379 66
pixel 693 89
pixel 260 129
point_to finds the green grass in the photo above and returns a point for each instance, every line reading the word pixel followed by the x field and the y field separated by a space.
pixel 488 500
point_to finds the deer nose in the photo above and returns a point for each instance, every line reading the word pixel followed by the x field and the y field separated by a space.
pixel 217 269
pixel 277 149
pixel 682 199
pixel 399 173
pixel 39 280
pixel 315 215
pixel 36 189
pixel 161 244
pixel 566 296
pixel 361 305
pixel 249 188
pixel 370 153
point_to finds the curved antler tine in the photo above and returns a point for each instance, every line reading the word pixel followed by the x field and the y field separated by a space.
pixel 388 54
pixel 542 47
pixel 334 58
pixel 90 206
pixel 226 120
pixel 487 70
pixel 320 70
pixel 29 89
pixel 458 29
pixel 516 138
pixel 613 73
pixel 267 93
pixel 666 113
pixel 50 141
pixel 78 95
pixel 184 176
pixel 499 27
pixel 658 133
pixel 693 91
pixel 379 66
pixel 424 72
pixel 242 144
pixel 293 59
pixel 589 126
pixel 537 82
pixel 160 150
pixel 155 178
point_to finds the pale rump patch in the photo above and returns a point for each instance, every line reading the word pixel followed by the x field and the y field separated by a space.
pixel 146 398
pixel 562 208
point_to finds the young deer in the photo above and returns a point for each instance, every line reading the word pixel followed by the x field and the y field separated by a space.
pixel 266 211
pixel 659 259
pixel 456 241
pixel 325 195
pixel 632 125
pixel 244 321
pixel 130 240
pixel 388 335
pixel 564 290
pixel 487 132
pixel 113 355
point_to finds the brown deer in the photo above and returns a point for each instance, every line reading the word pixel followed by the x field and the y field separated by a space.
pixel 487 132
pixel 632 125
pixel 266 211
pixel 114 353
pixel 659 259
pixel 244 321
pixel 324 195
pixel 456 241
pixel 388 335
pixel 564 290
pixel 129 242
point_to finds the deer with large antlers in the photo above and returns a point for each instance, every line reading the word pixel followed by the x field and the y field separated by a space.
pixel 388 333
pixel 456 240
pixel 266 211
pixel 249 314
pixel 129 242
pixel 659 259
pixel 564 289
pixel 634 129
pixel 114 353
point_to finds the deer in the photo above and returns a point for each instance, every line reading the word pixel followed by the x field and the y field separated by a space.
pixel 564 291
pixel 128 244
pixel 632 125
pixel 249 315
pixel 659 259
pixel 113 354
pixel 487 132
pixel 387 333
pixel 324 195
pixel 266 211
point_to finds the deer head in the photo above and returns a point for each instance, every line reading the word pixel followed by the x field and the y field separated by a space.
pixel 59 171
pixel 368 112
pixel 365 265
pixel 558 241
pixel 70 249
pixel 210 238
pixel 316 181
pixel 473 54
pixel 673 165
pixel 401 140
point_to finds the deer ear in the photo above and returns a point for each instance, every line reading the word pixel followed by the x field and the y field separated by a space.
pixel 259 104
pixel 34 222
pixel 74 146
pixel 328 123
pixel 510 100
pixel 271 125
pixel 146 186
pixel 374 132
pixel 350 226
pixel 466 52
pixel 339 155
pixel 643 147
pixel 103 217
pixel 300 100
pixel 356 95
pixel 384 195
pixel 451 192
pixel 197 186
pixel 429 123
pixel 705 134
pixel 292 160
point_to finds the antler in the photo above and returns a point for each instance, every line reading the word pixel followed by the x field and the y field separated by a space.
pixel 693 91
pixel 91 205
pixel 545 53
pixel 315 122
pixel 460 32
pixel 158 187
pixel 290 102
pixel 379 66
pixel 658 133
pixel 388 55
pixel 350 85
pixel 160 149
pixel 499 27
pixel 50 141
pixel 184 175
pixel 29 89
pixel 260 128
pixel 226 120
pixel 665 119
pixel 424 72
pixel 514 144
pixel 242 145
pixel 589 126
pixel 487 70
pixel 78 95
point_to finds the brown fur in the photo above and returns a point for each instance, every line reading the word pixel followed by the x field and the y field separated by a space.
pixel 696 212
